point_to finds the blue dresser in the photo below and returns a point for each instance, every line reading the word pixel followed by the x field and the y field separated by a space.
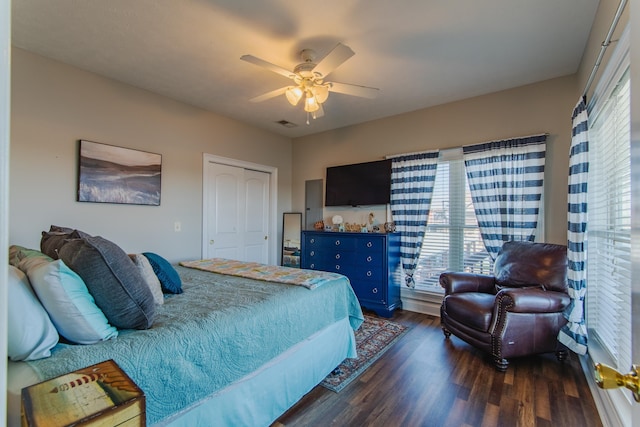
pixel 371 261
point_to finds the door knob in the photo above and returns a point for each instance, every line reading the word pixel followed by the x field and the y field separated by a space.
pixel 607 377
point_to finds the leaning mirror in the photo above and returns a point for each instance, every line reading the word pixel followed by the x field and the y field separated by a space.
pixel 291 228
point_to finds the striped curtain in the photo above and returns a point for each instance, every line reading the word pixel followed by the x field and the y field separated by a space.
pixel 574 333
pixel 412 179
pixel 506 182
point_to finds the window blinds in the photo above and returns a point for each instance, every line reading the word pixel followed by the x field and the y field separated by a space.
pixel 452 240
pixel 609 225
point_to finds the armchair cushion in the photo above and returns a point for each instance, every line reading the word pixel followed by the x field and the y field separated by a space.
pixel 521 264
pixel 472 309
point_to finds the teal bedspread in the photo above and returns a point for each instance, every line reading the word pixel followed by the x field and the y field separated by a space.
pixel 219 330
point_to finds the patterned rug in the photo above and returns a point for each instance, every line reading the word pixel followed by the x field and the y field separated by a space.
pixel 373 339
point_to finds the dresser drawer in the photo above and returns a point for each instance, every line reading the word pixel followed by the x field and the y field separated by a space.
pixel 365 259
pixel 331 264
pixel 369 291
pixel 329 256
pixel 330 241
pixel 340 256
pixel 341 243
pixel 370 244
pixel 368 273
pixel 314 242
pixel 315 255
pixel 342 268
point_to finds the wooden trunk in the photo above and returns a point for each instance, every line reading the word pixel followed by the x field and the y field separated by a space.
pixel 99 395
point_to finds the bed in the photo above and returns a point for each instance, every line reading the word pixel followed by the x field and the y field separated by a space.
pixel 231 349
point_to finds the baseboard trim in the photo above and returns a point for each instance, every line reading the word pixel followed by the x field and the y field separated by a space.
pixel 421 302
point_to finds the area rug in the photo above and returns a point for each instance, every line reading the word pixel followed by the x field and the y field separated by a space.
pixel 374 337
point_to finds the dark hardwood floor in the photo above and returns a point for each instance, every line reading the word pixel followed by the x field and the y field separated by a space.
pixel 426 380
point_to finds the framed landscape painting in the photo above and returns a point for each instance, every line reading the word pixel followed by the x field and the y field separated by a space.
pixel 110 174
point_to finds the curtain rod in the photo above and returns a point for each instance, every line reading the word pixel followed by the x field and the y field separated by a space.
pixel 603 48
pixel 391 156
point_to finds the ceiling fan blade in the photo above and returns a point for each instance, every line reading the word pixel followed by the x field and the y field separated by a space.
pixel 269 95
pixel 355 90
pixel 333 59
pixel 268 65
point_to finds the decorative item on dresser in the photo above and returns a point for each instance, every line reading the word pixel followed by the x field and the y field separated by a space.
pixel 371 261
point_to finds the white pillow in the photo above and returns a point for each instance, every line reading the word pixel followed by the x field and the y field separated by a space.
pixel 70 305
pixel 149 276
pixel 31 335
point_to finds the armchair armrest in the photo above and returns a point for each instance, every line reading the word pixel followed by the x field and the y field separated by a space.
pixel 531 300
pixel 455 282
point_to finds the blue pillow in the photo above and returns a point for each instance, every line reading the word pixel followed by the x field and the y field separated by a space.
pixel 71 307
pixel 30 334
pixel 168 276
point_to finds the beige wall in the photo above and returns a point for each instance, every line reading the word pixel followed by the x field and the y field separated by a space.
pixel 53 105
pixel 533 109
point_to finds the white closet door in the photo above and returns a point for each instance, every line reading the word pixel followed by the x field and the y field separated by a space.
pixel 256 217
pixel 237 213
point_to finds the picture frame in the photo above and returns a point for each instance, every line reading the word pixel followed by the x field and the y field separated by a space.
pixel 112 174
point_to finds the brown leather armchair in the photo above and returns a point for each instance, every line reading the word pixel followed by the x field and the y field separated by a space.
pixel 517 311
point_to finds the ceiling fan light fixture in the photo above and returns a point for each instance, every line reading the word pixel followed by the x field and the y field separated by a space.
pixel 321 92
pixel 311 103
pixel 293 94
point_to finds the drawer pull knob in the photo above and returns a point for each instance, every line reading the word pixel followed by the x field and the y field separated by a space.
pixel 374 290
pixel 337 242
pixel 312 240
pixel 368 273
pixel 369 258
pixel 313 266
pixel 337 267
pixel 337 256
pixel 312 253
pixel 369 244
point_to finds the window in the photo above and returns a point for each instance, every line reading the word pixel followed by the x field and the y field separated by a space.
pixel 608 301
pixel 452 240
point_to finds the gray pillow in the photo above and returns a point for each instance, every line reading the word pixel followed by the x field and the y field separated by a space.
pixel 52 240
pixel 113 280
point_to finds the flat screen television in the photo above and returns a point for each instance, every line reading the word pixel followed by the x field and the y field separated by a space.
pixel 359 184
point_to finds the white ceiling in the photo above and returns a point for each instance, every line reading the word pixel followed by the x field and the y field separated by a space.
pixel 419 53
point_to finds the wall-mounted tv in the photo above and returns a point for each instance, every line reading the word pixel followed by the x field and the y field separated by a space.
pixel 359 184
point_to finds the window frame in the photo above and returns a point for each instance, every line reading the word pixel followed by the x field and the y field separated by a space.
pixel 618 66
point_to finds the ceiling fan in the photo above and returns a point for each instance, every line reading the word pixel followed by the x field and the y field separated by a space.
pixel 308 78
